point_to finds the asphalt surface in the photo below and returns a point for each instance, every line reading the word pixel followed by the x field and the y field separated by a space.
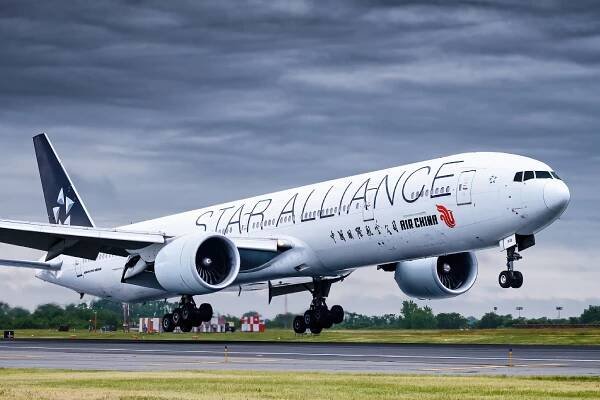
pixel 380 358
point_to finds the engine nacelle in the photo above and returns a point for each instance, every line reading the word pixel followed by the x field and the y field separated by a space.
pixel 437 277
pixel 199 263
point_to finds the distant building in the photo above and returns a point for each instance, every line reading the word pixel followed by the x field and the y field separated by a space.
pixel 252 324
pixel 150 325
pixel 216 325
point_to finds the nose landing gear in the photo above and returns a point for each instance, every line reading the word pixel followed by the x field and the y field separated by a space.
pixel 510 277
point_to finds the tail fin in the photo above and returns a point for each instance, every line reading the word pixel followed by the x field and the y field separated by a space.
pixel 63 203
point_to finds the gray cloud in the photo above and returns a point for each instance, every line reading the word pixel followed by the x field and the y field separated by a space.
pixel 158 108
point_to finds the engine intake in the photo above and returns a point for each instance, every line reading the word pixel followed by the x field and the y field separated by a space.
pixel 437 277
pixel 197 264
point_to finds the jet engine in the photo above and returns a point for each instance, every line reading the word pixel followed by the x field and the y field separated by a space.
pixel 437 277
pixel 199 263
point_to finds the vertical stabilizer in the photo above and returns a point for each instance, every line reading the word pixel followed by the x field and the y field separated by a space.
pixel 63 203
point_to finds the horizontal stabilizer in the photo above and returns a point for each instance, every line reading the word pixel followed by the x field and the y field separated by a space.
pixel 49 266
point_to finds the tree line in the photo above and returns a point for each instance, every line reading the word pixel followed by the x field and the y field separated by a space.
pixel 102 313
pixel 410 316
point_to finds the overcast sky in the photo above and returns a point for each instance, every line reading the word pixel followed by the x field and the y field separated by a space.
pixel 163 107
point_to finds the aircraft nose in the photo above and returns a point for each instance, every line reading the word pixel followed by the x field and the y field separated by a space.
pixel 556 196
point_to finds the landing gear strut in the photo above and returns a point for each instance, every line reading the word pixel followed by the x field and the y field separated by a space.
pixel 510 277
pixel 187 315
pixel 319 316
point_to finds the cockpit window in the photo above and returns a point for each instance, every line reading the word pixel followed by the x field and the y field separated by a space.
pixel 519 176
pixel 523 176
pixel 543 175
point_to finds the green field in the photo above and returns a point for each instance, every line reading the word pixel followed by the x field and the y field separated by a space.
pixel 71 385
pixel 562 336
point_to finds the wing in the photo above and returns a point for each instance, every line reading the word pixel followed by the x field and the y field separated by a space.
pixel 76 241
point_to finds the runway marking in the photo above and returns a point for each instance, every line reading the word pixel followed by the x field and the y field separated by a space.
pixel 259 354
pixel 491 367
pixel 19 357
pixel 461 368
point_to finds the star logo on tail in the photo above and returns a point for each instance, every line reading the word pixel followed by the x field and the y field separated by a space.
pixel 65 202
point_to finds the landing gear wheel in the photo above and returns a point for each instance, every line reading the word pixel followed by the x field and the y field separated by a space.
pixel 328 323
pixel 187 313
pixel 186 327
pixel 504 279
pixel 309 318
pixel 320 314
pixel 176 316
pixel 336 314
pixel 517 280
pixel 315 330
pixel 205 312
pixel 510 277
pixel 299 324
pixel 167 323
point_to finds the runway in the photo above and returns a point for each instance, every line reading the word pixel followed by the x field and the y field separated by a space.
pixel 376 358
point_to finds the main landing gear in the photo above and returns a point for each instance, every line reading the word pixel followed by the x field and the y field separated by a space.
pixel 319 316
pixel 187 315
pixel 510 277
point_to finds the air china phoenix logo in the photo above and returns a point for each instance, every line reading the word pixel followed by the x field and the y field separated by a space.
pixel 446 216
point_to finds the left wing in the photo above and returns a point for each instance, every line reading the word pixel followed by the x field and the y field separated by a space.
pixel 76 241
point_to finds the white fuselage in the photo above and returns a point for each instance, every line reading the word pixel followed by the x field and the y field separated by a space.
pixel 453 204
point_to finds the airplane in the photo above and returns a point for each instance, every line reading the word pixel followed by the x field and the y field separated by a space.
pixel 421 221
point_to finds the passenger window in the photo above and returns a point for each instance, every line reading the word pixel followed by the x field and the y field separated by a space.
pixel 543 175
pixel 555 175
pixel 528 175
pixel 518 177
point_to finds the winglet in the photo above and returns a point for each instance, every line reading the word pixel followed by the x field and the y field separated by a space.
pixel 63 203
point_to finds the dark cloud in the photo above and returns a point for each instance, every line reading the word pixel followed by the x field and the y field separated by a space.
pixel 161 107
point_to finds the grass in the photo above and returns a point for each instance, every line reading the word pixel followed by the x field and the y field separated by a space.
pixel 70 385
pixel 548 336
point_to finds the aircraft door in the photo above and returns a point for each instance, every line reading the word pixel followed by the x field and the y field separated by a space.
pixel 463 190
